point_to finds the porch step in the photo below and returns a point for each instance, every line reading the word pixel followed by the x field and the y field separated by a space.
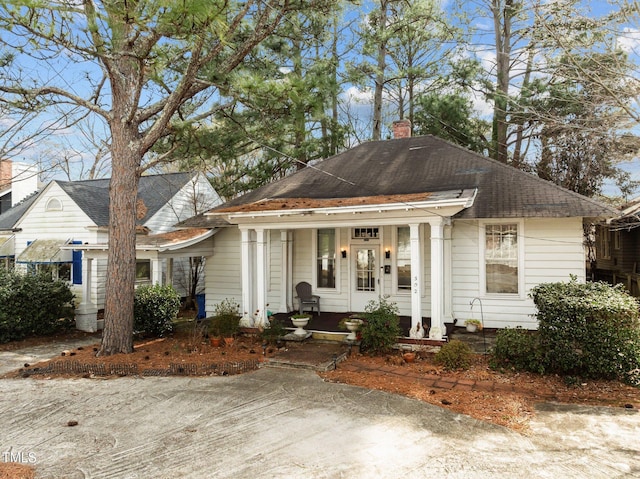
pixel 313 355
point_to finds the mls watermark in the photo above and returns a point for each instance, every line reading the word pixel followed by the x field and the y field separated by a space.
pixel 22 457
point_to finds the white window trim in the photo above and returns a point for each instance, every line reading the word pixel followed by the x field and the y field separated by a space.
pixel 605 242
pixel 53 204
pixel 616 240
pixel 482 266
pixel 314 261
pixel 394 261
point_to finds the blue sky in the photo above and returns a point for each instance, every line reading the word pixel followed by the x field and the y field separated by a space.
pixel 76 146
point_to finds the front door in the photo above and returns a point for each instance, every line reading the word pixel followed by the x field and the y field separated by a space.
pixel 365 276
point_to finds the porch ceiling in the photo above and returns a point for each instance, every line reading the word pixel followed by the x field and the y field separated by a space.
pixel 7 246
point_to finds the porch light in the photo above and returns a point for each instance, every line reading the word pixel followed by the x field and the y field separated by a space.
pixel 387 253
pixel 343 252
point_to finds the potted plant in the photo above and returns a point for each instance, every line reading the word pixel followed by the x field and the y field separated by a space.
pixel 351 324
pixel 226 321
pixel 300 321
pixel 214 331
pixel 473 325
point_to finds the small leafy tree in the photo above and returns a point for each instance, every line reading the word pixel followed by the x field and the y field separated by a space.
pixel 382 326
pixel 155 309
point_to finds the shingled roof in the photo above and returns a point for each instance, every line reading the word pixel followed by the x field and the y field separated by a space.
pixel 92 196
pixel 154 191
pixel 418 165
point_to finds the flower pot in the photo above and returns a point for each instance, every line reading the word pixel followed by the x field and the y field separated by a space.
pixel 215 342
pixel 352 327
pixel 300 324
pixel 409 357
pixel 228 341
pixel 472 328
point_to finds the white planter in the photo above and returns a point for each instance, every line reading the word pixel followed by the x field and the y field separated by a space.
pixel 472 328
pixel 300 324
pixel 352 327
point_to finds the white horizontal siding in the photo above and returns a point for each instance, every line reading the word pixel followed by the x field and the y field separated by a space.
pixel 223 269
pixel 552 251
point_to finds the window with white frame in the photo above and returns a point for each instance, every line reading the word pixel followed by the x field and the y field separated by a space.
pixel 143 270
pixel 326 258
pixel 605 242
pixel 403 258
pixel 501 258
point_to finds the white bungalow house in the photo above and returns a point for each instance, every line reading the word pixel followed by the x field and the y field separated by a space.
pixel 64 229
pixel 430 224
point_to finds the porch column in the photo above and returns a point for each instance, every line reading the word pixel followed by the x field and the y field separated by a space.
pixel 448 285
pixel 156 271
pixel 437 275
pixel 284 272
pixel 87 312
pixel 169 279
pixel 261 277
pixel 245 259
pixel 416 275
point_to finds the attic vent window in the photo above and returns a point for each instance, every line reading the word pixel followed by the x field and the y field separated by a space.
pixel 54 204
pixel 359 233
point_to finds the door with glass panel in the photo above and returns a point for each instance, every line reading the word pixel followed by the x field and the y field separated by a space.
pixel 365 275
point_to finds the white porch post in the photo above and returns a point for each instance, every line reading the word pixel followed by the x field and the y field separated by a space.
pixel 87 312
pixel 448 285
pixel 245 258
pixel 156 271
pixel 284 272
pixel 261 277
pixel 437 274
pixel 416 275
pixel 169 279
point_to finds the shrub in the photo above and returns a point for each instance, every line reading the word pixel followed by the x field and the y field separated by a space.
pixel 588 330
pixel 275 331
pixel 33 305
pixel 517 349
pixel 154 309
pixel 455 355
pixel 226 319
pixel 382 326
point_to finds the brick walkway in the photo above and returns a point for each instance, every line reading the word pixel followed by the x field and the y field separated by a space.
pixel 443 382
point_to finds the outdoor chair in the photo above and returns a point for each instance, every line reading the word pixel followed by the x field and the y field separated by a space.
pixel 305 298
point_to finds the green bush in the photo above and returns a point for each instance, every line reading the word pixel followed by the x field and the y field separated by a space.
pixel 381 328
pixel 517 349
pixel 33 305
pixel 154 310
pixel 588 330
pixel 226 319
pixel 275 331
pixel 454 355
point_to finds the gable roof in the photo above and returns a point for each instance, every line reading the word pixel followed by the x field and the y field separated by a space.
pixel 92 197
pixel 419 165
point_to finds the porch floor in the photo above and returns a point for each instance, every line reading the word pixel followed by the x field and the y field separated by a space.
pixel 481 341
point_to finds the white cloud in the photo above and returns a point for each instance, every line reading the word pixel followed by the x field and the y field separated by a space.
pixel 629 40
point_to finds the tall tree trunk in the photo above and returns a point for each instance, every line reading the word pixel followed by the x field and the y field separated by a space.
pixel 380 72
pixel 502 28
pixel 121 262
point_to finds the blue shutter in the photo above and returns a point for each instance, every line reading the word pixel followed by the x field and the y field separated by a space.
pixel 76 270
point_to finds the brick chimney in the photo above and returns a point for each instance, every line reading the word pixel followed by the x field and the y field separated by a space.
pixel 402 129
pixel 5 174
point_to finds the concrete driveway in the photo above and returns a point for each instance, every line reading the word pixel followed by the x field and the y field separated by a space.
pixel 290 424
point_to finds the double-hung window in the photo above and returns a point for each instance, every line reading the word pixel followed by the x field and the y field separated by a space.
pixel 501 258
pixel 326 258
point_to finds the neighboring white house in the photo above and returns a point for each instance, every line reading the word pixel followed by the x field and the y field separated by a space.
pixel 433 225
pixel 64 230
pixel 17 181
